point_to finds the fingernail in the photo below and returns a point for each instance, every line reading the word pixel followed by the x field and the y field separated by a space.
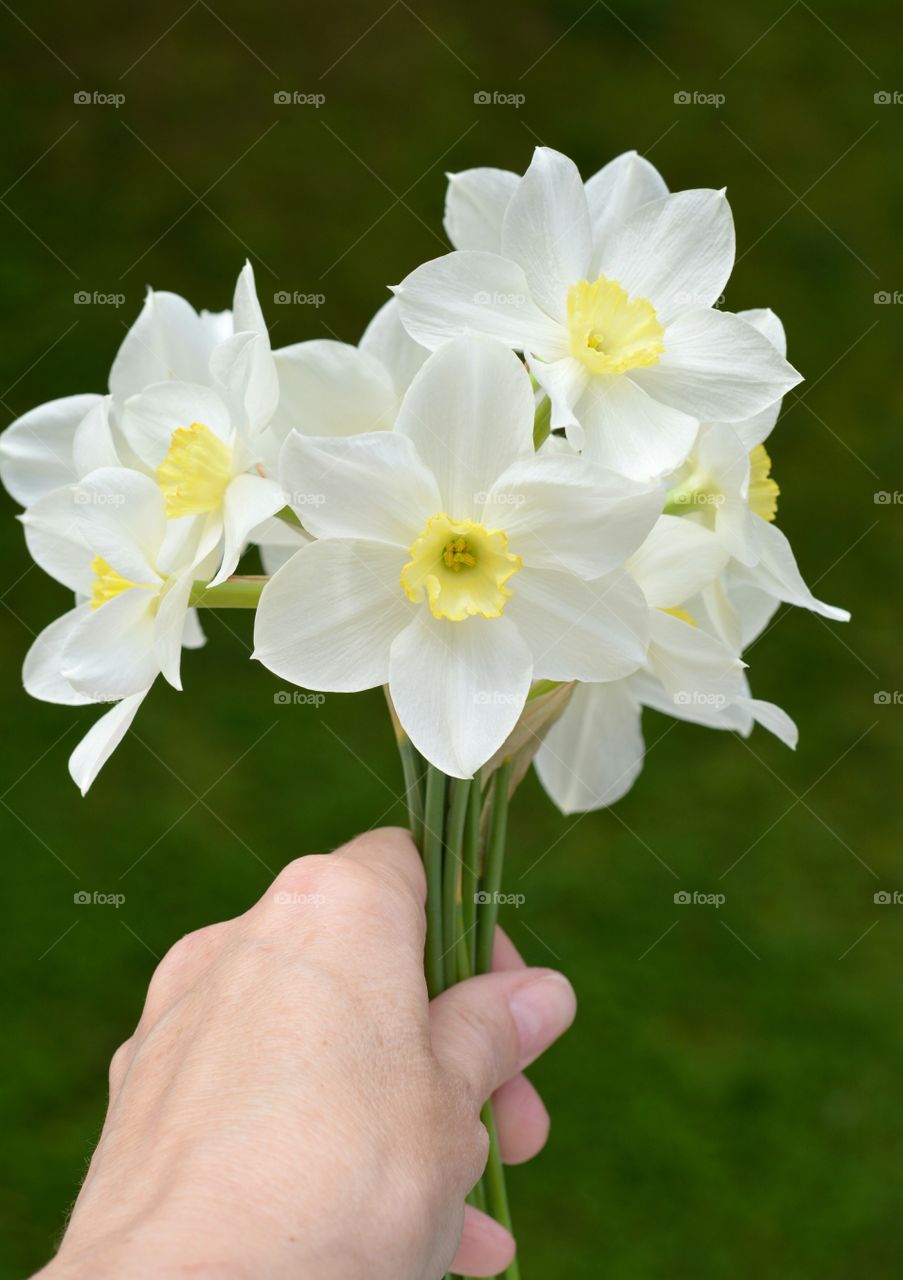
pixel 542 1008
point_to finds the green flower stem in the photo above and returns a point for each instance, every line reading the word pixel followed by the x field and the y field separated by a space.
pixel 542 422
pixel 470 874
pixel 234 593
pixel 433 837
pixel 412 767
pixel 454 842
pixel 492 872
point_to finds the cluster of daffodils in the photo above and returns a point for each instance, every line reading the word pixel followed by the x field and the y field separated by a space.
pixel 543 468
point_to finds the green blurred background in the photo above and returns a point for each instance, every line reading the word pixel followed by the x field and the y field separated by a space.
pixel 729 1101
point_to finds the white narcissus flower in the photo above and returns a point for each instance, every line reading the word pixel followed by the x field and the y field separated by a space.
pixel 476 200
pixel 594 753
pixel 60 442
pixel 622 335
pixel 726 485
pixel 109 541
pixel 454 564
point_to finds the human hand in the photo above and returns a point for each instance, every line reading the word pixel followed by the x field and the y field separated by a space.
pixel 292 1105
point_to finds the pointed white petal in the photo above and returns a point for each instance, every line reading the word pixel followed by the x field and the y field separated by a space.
pixel 149 419
pixel 56 542
pixel 110 654
pixel 593 754
pixel 42 672
pixel 36 449
pixel 564 382
pixel 244 371
pixel 246 312
pixel 193 636
pixel 468 292
pixel 546 229
pixel 774 719
pixel 93 444
pixel 764 320
pixel 388 341
pixel 469 411
pixel 475 205
pixel 694 668
pixel 248 500
pixel 561 512
pixel 326 620
pixel 329 388
pixel 777 572
pixel 123 520
pixel 369 486
pixel 102 739
pixel 615 192
pixel 631 432
pixel 677 252
pixel 580 630
pixel 166 342
pixel 169 630
pixel 459 687
pixel 717 367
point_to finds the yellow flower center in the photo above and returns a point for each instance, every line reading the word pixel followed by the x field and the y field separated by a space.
pixel 461 568
pixel 195 473
pixel 108 583
pixel 763 491
pixel 611 332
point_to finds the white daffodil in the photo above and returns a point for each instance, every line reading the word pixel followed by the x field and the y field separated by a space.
pixel 329 388
pixel 726 485
pixel 476 200
pixel 594 753
pixel 453 563
pixel 60 442
pixel 109 541
pixel 622 336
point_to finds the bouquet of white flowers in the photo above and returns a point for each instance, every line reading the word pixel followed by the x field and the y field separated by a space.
pixel 534 499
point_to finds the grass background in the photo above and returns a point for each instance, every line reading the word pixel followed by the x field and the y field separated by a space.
pixel 729 1099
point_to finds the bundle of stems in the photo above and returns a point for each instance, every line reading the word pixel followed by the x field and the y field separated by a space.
pixel 460 827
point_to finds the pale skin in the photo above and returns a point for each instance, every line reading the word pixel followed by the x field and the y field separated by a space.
pixel 292 1105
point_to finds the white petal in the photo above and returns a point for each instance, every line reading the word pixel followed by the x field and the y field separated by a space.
pixel 678 559
pixel 764 320
pixel 593 754
pixel 123 520
pixel 468 292
pixel 56 542
pixel 36 449
pixel 694 668
pixel 278 541
pixel 561 512
pixel 774 719
pixel 249 499
pixel 102 739
pixel 329 388
pixel 777 573
pixel 546 229
pixel 580 630
pixel 167 341
pixel 630 432
pixel 677 252
pixel 616 191
pixel 564 382
pixel 110 654
pixel 469 411
pixel 94 445
pixel 721 455
pixel 246 312
pixel 475 205
pixel 244 371
pixel 717 367
pixel 389 342
pixel 459 687
pixel 149 419
pixel 42 671
pixel 754 430
pixel 193 636
pixel 326 620
pixel 169 631
pixel 369 486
